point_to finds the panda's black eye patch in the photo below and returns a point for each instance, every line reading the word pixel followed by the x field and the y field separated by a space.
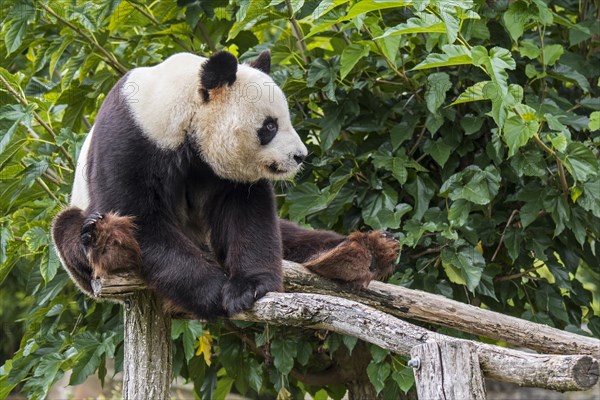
pixel 267 131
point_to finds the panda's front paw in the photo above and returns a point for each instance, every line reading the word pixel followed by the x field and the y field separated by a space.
pixel 240 293
pixel 88 229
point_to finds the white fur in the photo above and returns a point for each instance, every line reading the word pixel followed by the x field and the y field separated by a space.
pixel 80 196
pixel 164 97
pixel 166 103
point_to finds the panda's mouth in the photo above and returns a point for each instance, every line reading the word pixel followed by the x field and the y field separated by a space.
pixel 274 168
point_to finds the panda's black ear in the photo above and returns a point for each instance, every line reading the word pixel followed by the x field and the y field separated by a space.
pixel 219 70
pixel 262 62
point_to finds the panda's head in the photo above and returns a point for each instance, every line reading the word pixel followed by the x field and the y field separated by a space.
pixel 242 127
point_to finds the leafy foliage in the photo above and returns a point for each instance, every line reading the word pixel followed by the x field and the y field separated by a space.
pixel 468 128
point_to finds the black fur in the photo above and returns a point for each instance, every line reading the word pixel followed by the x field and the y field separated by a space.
pixel 208 245
pixel 263 62
pixel 265 135
pixel 178 203
pixel 219 70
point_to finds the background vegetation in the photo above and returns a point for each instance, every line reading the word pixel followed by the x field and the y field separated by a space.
pixel 470 129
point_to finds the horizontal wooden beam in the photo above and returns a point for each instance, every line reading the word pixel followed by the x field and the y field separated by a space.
pixel 412 304
pixel 439 310
pixel 556 372
pixel 339 314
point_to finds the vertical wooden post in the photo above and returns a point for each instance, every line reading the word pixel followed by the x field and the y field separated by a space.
pixel 148 360
pixel 448 371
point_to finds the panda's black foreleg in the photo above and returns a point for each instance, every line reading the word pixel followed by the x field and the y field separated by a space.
pixel 357 258
pixel 181 272
pixel 246 240
pixel 66 231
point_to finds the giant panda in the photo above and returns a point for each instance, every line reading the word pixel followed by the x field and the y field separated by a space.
pixel 174 181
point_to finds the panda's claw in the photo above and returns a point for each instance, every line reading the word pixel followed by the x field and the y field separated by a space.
pixel 240 293
pixel 88 229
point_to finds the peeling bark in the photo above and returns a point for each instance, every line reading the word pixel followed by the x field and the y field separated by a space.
pixel 449 371
pixel 557 372
pixel 148 356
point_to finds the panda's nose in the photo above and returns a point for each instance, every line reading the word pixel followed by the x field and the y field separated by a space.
pixel 299 158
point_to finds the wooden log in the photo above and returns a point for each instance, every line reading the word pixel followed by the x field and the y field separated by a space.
pixel 439 310
pixel 416 305
pixel 448 370
pixel 147 360
pixel 557 372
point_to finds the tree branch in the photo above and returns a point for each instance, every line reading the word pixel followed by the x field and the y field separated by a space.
pixel 109 58
pixel 557 372
pixel 318 311
pixel 39 119
pixel 412 304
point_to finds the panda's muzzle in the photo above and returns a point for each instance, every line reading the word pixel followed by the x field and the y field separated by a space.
pixel 274 168
pixel 299 158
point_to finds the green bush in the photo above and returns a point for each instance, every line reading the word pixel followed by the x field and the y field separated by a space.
pixel 470 129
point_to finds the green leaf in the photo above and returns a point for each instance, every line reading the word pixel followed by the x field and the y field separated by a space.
pixel 377 374
pixel 516 17
pixel 594 121
pixel 438 84
pixel 378 354
pixel 404 378
pixel 496 63
pixel 517 133
pixel 396 165
pixel 550 301
pixel 475 92
pixel 306 199
pixel 459 212
pixel 50 263
pixel 350 56
pixel 284 351
pixel 36 237
pixel 590 200
pixel 471 124
pixel 19 17
pixel 486 284
pixel 438 150
pixel 366 6
pixel 249 13
pixel 529 163
pixel 464 267
pixel 16 115
pixel 423 23
pixel 473 184
pixel 223 388
pixel 449 14
pixel 45 374
pixel 566 73
pixel 255 376
pixel 86 366
pixel 349 342
pixel 422 190
pixel 529 49
pixel 580 162
pixel 331 126
pixel 452 55
pixel 401 133
pixel 326 6
pixel 552 53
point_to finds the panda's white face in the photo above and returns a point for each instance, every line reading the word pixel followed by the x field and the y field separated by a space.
pixel 241 123
pixel 244 130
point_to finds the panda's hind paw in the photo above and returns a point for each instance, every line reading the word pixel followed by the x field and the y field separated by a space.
pixel 384 249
